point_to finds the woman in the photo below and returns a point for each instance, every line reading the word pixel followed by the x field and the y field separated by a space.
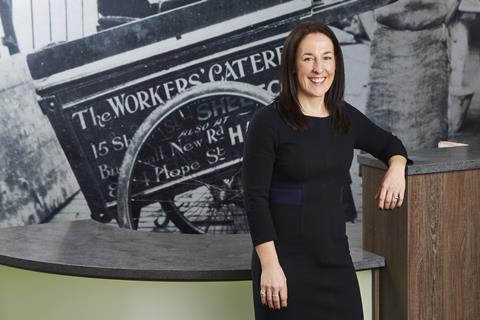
pixel 297 158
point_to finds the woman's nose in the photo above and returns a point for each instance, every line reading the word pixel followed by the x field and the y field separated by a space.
pixel 316 67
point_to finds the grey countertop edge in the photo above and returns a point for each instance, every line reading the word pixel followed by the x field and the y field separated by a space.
pixel 433 160
pixel 126 274
pixel 107 252
pixel 423 168
pixel 445 167
pixel 367 261
pixel 153 275
pixel 369 264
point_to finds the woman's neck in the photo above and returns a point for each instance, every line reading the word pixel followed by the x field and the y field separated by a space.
pixel 313 106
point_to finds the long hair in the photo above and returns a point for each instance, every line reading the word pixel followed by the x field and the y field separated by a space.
pixel 287 100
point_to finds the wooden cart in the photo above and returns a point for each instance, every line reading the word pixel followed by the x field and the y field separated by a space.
pixel 152 114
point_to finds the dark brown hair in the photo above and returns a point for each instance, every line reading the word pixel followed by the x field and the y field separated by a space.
pixel 287 101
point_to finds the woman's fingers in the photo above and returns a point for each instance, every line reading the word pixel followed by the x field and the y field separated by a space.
pixel 389 199
pixel 391 192
pixel 269 298
pixel 276 299
pixel 381 197
pixel 283 297
pixel 263 295
pixel 400 199
pixel 396 199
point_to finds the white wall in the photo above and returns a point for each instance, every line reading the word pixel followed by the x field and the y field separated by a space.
pixel 53 21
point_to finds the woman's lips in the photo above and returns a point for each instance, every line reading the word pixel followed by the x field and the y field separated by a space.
pixel 317 80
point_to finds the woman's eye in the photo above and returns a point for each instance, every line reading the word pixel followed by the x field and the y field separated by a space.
pixel 307 59
pixel 327 58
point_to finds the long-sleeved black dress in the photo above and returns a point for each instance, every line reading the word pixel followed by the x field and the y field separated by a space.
pixel 292 182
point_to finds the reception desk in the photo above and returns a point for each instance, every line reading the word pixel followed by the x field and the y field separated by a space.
pixel 88 270
pixel 431 244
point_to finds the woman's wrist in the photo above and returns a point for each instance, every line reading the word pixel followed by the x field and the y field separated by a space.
pixel 270 266
pixel 267 255
pixel 269 261
pixel 397 162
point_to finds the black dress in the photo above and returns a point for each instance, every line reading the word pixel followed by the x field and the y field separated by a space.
pixel 292 182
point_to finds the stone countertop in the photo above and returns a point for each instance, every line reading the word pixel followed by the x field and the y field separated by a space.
pixel 91 249
pixel 434 160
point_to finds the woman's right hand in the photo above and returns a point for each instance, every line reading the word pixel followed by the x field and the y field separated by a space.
pixel 273 284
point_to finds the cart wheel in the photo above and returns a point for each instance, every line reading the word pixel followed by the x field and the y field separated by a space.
pixel 215 207
pixel 186 157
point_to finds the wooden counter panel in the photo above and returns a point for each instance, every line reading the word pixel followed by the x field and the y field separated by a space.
pixel 385 233
pixel 424 265
pixel 431 246
pixel 444 266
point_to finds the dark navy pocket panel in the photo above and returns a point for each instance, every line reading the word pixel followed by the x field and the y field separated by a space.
pixel 291 196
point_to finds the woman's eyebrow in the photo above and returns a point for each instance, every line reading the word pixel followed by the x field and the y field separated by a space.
pixel 311 54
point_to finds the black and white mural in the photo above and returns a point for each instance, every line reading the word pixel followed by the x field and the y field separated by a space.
pixel 138 118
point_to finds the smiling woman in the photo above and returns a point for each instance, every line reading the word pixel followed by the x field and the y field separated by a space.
pixel 296 162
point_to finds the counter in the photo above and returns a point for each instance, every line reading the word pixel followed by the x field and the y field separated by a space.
pixel 431 244
pixel 131 275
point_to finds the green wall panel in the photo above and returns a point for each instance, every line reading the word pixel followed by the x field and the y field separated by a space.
pixel 36 295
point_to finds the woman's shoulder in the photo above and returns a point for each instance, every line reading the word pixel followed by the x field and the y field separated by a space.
pixel 348 108
pixel 267 115
pixel 352 112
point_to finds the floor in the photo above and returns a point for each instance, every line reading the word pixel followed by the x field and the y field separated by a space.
pixel 77 209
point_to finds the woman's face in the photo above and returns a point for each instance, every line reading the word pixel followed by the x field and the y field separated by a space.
pixel 314 66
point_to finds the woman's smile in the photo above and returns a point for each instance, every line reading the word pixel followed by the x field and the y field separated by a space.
pixel 317 80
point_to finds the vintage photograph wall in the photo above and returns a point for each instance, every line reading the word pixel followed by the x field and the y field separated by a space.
pixel 134 112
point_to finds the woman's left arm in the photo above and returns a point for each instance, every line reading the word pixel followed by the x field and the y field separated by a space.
pixel 392 188
pixel 384 146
